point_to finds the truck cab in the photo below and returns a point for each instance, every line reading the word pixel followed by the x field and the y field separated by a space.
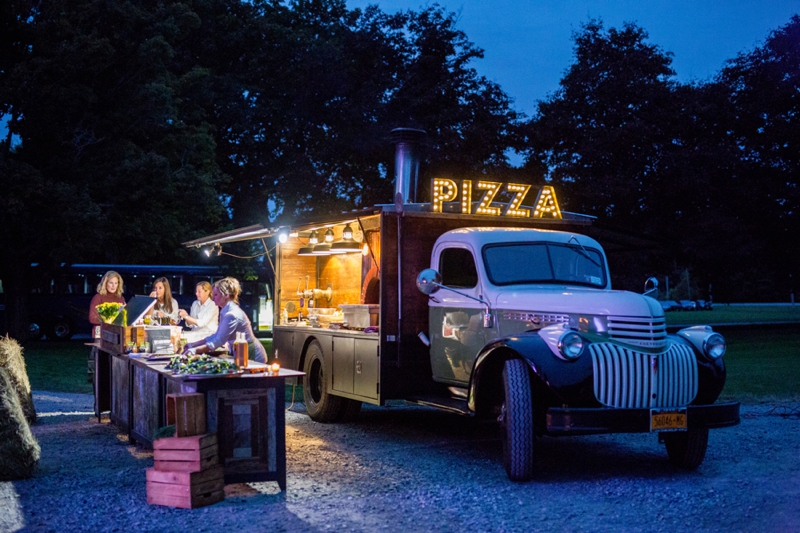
pixel 524 323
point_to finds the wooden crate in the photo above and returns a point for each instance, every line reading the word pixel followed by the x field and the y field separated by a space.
pixel 186 454
pixel 114 338
pixel 187 490
pixel 187 412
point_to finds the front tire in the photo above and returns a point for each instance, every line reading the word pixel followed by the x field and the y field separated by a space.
pixel 516 421
pixel 687 449
pixel 35 331
pixel 320 404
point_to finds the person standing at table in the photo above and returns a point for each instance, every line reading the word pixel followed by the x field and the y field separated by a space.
pixel 203 318
pixel 166 306
pixel 232 320
pixel 109 290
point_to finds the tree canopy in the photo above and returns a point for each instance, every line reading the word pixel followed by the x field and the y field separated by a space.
pixel 146 124
pixel 708 170
pixel 135 126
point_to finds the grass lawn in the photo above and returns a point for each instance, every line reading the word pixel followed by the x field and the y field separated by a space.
pixel 736 314
pixel 57 366
pixel 763 365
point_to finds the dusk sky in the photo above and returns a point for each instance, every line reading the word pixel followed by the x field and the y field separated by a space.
pixel 528 44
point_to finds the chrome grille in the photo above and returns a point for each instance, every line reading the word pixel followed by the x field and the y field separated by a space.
pixel 629 379
pixel 647 332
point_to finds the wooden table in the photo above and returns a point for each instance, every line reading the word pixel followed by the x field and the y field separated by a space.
pixel 246 411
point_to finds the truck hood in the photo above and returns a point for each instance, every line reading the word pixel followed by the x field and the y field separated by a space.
pixel 576 300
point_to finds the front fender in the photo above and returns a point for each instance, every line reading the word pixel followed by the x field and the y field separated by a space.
pixel 712 374
pixel 553 379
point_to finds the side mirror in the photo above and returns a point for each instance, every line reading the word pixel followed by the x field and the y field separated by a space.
pixel 650 287
pixel 428 281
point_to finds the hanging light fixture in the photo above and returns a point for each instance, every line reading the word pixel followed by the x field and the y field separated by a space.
pixel 322 249
pixel 214 250
pixel 309 249
pixel 329 235
pixel 347 244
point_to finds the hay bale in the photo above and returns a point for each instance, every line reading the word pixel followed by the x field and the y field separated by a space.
pixel 12 360
pixel 19 450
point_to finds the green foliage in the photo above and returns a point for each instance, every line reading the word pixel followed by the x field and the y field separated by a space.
pixel 706 170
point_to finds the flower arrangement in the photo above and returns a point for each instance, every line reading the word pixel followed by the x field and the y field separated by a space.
pixel 109 311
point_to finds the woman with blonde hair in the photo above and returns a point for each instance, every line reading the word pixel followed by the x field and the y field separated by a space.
pixel 232 320
pixel 204 316
pixel 108 290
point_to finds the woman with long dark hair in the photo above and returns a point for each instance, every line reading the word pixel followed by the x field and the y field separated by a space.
pixel 165 307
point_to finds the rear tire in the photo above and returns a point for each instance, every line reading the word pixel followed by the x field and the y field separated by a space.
pixel 516 421
pixel 61 330
pixel 320 404
pixel 687 449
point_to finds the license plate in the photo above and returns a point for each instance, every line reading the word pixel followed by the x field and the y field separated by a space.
pixel 668 419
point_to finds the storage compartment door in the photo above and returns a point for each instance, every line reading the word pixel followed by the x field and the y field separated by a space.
pixel 343 364
pixel 367 363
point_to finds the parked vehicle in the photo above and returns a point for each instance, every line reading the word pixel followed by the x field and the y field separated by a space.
pixel 516 321
pixel 704 305
pixel 687 305
pixel 670 305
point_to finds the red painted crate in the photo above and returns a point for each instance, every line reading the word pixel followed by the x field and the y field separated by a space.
pixel 186 454
pixel 187 490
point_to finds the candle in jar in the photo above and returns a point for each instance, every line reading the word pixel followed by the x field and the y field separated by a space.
pixel 275 368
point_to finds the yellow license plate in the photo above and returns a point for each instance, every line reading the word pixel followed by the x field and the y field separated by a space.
pixel 668 420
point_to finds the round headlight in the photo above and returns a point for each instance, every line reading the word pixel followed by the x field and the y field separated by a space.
pixel 714 346
pixel 570 345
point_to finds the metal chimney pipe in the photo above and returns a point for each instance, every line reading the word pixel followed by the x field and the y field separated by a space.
pixel 406 163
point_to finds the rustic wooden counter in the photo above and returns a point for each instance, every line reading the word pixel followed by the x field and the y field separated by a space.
pixel 245 410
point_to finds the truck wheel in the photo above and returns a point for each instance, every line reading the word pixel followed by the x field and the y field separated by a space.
pixel 35 331
pixel 321 405
pixel 516 421
pixel 349 410
pixel 62 330
pixel 687 449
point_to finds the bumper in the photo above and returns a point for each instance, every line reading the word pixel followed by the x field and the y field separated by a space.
pixel 567 421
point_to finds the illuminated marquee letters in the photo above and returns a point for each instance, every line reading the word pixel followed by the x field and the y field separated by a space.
pixel 445 190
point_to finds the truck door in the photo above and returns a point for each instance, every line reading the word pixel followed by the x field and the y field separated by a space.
pixel 455 322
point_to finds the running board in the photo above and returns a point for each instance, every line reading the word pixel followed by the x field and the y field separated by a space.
pixel 454 405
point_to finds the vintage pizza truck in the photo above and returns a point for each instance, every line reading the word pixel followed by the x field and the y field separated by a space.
pixel 479 305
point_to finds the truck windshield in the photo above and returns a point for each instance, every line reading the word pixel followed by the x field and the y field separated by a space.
pixel 520 263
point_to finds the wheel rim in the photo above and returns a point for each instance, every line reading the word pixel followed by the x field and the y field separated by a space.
pixel 61 330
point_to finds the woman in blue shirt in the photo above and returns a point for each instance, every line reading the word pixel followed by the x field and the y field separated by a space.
pixel 232 320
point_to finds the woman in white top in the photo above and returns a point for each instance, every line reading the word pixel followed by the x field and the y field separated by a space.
pixel 204 316
pixel 232 320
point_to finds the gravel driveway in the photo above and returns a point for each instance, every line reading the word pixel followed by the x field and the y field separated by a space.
pixel 402 468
